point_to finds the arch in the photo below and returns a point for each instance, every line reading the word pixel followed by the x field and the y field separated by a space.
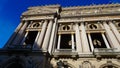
pixel 93 26
pixel 35 25
pixel 66 27
pixel 118 24
pixel 64 64
pixel 109 65
pixel 14 62
pixel 70 65
pixel 87 64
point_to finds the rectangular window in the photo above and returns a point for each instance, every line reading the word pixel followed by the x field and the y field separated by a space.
pixel 97 40
pixel 29 40
pixel 66 42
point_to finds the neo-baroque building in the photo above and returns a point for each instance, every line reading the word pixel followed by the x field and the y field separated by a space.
pixel 65 37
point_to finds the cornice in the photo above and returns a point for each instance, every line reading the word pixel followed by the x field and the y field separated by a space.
pixel 91 6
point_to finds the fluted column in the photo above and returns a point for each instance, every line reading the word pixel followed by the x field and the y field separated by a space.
pixel 91 43
pixel 52 36
pixel 73 44
pixel 41 37
pixel 85 44
pixel 105 40
pixel 113 41
pixel 59 40
pixel 115 31
pixel 20 33
pixel 47 36
pixel 36 40
pixel 22 42
pixel 78 40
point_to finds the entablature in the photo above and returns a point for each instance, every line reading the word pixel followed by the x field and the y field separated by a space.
pixel 90 10
pixel 38 17
pixel 87 19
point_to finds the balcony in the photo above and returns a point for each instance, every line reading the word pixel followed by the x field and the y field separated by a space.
pixel 112 52
pixel 65 52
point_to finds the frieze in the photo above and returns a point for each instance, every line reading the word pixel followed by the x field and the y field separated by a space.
pixel 102 18
pixel 37 17
pixel 90 11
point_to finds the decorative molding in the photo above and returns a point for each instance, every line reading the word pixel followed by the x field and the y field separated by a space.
pixel 38 17
pixel 39 10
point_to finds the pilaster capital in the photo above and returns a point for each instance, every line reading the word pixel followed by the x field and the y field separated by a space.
pixel 88 32
pixel 59 33
pixel 72 33
pixel 102 32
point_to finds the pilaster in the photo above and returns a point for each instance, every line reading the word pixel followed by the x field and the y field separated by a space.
pixel 19 36
pixel 115 31
pixel 47 36
pixel 85 44
pixel 78 40
pixel 113 41
pixel 41 37
pixel 52 36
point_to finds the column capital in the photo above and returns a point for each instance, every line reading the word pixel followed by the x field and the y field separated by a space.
pixel 39 30
pixel 27 30
pixel 88 32
pixel 102 32
pixel 110 21
pixel 76 23
pixel 72 33
pixel 59 33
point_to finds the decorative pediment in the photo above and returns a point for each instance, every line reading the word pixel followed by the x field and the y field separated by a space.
pixel 39 10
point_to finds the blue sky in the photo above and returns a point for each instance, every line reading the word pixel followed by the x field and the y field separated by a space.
pixel 11 10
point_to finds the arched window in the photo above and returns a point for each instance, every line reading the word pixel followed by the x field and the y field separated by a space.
pixel 64 64
pixel 110 66
pixel 118 24
pixel 87 64
pixel 93 26
pixel 35 25
pixel 66 27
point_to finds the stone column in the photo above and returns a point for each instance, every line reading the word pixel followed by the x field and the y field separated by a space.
pixel 73 44
pixel 22 42
pixel 41 37
pixel 85 44
pixel 59 40
pixel 47 36
pixel 78 40
pixel 115 31
pixel 52 36
pixel 91 43
pixel 20 33
pixel 105 40
pixel 112 40
pixel 36 40
pixel 55 38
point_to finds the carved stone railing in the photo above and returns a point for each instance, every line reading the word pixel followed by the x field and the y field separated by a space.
pixel 64 52
pixel 106 52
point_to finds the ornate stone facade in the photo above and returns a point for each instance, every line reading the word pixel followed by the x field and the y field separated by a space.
pixel 65 37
